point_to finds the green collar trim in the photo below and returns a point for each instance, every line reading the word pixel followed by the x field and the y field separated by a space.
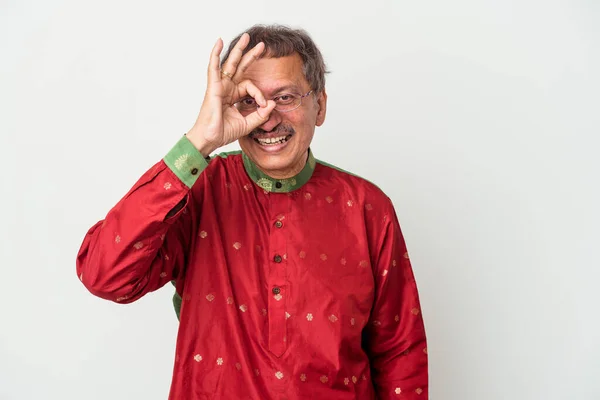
pixel 280 185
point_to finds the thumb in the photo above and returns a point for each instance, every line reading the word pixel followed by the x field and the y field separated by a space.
pixel 260 116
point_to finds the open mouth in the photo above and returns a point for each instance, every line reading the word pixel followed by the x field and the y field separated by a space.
pixel 272 141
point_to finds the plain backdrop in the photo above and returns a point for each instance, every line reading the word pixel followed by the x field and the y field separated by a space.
pixel 480 119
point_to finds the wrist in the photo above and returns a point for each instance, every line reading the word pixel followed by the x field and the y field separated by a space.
pixel 203 146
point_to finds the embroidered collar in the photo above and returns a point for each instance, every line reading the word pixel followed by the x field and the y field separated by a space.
pixel 280 185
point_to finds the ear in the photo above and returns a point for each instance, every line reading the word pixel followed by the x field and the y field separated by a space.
pixel 321 107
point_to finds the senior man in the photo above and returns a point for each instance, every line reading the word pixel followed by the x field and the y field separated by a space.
pixel 292 276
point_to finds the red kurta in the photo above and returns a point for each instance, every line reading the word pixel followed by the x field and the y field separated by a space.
pixel 293 289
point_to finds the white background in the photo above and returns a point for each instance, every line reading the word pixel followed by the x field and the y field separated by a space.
pixel 479 119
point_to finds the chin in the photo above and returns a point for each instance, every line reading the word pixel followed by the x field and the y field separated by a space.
pixel 273 159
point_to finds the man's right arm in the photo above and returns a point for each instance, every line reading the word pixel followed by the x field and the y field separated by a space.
pixel 143 241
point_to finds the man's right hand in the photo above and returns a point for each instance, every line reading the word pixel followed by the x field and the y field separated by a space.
pixel 219 122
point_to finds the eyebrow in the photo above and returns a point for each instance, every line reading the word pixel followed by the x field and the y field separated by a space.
pixel 286 88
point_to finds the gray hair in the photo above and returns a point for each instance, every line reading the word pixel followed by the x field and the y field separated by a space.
pixel 281 41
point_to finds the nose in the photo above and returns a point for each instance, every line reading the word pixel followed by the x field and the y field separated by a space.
pixel 274 120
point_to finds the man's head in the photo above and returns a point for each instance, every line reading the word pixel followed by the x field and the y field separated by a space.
pixel 291 71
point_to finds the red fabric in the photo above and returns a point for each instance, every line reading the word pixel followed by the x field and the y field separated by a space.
pixel 346 323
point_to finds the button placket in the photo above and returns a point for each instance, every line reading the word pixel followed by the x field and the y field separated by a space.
pixel 278 294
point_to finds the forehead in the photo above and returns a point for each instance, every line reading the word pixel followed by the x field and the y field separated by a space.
pixel 271 74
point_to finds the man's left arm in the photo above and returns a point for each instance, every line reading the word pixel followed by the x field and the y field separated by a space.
pixel 395 335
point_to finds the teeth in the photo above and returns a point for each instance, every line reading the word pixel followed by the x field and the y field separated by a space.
pixel 275 140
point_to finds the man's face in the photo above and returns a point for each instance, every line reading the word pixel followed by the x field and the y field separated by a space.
pixel 275 77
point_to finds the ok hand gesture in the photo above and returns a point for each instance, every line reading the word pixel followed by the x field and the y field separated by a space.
pixel 219 122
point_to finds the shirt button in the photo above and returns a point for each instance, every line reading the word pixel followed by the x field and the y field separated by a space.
pixel 277 258
pixel 194 171
pixel 278 185
pixel 276 290
pixel 278 224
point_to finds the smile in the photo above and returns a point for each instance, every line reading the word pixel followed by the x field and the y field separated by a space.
pixel 272 141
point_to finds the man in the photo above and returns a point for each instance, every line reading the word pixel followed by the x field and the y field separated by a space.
pixel 292 277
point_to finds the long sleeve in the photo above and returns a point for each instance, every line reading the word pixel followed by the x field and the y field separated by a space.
pixel 142 242
pixel 395 335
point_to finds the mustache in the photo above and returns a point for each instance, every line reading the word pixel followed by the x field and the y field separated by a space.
pixel 281 128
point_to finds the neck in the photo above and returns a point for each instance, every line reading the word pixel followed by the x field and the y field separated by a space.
pixel 288 173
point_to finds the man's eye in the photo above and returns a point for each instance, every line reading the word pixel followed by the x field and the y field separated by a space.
pixel 248 102
pixel 284 99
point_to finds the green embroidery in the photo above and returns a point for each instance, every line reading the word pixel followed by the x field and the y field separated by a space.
pixel 280 185
pixel 185 161
pixel 265 183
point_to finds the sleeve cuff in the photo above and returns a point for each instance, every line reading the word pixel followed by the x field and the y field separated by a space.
pixel 185 161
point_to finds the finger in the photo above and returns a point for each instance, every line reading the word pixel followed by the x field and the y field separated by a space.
pixel 235 55
pixel 214 72
pixel 248 59
pixel 260 116
pixel 248 88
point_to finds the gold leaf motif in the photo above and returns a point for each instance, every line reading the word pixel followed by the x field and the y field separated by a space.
pixel 324 379
pixel 323 257
pixel 237 245
pixel 354 379
pixel 368 207
pixel 198 358
pixel 329 199
pixel 279 375
pixel 265 184
pixel 302 254
pixel 182 161
pixel 303 377
pixel 415 311
pixel 398 391
pixel 418 390
pixel 167 186
pixel 203 234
